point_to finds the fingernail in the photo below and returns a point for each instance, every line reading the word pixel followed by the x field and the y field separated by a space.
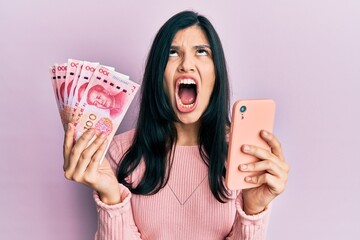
pixel 248 179
pixel 247 148
pixel 265 134
pixel 102 136
pixel 243 167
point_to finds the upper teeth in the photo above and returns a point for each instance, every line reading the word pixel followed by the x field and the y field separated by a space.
pixel 187 81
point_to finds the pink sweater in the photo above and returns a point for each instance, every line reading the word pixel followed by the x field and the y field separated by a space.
pixel 184 209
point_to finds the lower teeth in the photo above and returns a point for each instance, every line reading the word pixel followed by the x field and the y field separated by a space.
pixel 187 106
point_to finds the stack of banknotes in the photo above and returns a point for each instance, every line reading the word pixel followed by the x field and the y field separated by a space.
pixel 91 95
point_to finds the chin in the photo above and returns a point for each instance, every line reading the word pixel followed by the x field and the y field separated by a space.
pixel 189 118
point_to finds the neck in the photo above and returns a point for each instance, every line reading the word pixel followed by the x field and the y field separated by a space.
pixel 187 134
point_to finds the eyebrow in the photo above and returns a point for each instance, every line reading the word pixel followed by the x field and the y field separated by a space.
pixel 200 46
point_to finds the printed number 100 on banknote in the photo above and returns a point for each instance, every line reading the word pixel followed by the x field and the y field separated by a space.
pixel 105 101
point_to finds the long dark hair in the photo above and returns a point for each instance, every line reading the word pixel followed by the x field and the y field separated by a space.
pixel 156 134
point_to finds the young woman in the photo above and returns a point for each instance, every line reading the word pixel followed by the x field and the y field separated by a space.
pixel 165 179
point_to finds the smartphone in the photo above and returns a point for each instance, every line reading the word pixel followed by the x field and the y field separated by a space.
pixel 248 118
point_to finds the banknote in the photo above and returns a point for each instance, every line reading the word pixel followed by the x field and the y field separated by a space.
pixel 105 101
pixel 86 73
pixel 72 66
pixel 91 95
pixel 60 72
pixel 53 82
pixel 79 66
pixel 70 81
pixel 55 89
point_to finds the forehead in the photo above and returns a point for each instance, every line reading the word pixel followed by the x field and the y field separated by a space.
pixel 192 35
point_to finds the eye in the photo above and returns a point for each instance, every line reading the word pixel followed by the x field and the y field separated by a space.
pixel 173 53
pixel 202 52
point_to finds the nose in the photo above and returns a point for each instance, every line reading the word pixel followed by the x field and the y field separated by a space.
pixel 187 64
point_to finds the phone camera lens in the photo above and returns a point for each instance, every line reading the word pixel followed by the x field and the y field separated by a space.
pixel 242 109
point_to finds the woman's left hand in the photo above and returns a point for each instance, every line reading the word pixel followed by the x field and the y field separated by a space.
pixel 274 178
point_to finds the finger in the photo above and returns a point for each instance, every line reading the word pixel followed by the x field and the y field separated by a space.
pixel 93 147
pixel 259 153
pixel 100 153
pixel 84 140
pixel 273 142
pixel 268 166
pixel 77 150
pixel 68 144
pixel 264 155
pixel 87 155
pixel 95 162
pixel 275 185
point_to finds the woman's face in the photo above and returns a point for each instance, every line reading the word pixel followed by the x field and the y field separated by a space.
pixel 189 74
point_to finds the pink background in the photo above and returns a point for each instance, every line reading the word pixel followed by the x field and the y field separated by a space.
pixel 305 54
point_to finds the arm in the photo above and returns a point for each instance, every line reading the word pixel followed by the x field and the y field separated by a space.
pixel 82 165
pixel 115 222
pixel 249 226
pixel 253 204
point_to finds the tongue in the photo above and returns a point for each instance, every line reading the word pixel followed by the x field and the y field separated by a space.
pixel 187 95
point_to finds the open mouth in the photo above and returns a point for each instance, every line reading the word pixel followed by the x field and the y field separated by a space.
pixel 186 95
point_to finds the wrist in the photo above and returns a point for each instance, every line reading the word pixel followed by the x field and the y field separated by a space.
pixel 255 211
pixel 252 209
pixel 111 197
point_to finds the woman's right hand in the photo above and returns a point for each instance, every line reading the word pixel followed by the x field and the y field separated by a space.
pixel 82 164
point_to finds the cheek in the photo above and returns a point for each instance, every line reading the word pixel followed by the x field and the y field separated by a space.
pixel 166 88
pixel 168 82
pixel 105 97
pixel 90 98
pixel 169 92
pixel 208 90
pixel 209 82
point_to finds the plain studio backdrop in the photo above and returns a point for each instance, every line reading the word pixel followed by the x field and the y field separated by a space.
pixel 305 54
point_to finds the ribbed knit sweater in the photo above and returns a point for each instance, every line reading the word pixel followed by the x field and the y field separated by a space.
pixel 184 209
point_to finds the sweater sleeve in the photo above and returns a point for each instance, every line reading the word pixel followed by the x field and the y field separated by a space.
pixel 116 222
pixel 249 227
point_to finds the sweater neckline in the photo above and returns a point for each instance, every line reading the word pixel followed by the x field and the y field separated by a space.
pixel 187 146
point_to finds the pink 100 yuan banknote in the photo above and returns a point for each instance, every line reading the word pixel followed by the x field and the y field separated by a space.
pixel 91 95
pixel 105 101
pixel 87 70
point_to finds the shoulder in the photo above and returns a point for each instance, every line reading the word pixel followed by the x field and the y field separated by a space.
pixel 120 144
